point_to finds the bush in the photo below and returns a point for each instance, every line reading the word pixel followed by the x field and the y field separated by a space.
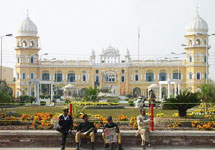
pixel 56 96
pixel 129 95
pixel 42 103
pixel 131 103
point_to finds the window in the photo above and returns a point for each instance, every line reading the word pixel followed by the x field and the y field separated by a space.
pixel 123 71
pixel 45 76
pixel 84 77
pixel 136 77
pixel 32 75
pixel 97 79
pixel 162 76
pixel 71 77
pixel 190 42
pixel 190 76
pixel 205 42
pixel 176 75
pixel 198 76
pixel 110 77
pixel 32 44
pixel 32 59
pixel 24 44
pixel 190 58
pixel 205 76
pixel 17 75
pixel 149 77
pixel 205 58
pixel 198 42
pixel 23 76
pixel 97 71
pixel 123 78
pixel 58 77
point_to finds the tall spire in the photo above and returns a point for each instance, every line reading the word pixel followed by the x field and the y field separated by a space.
pixel 197 11
pixel 27 12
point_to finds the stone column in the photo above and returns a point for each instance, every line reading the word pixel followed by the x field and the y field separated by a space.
pixel 37 92
pixel 179 88
pixel 29 89
pixel 168 95
pixel 175 91
pixel 160 91
pixel 51 92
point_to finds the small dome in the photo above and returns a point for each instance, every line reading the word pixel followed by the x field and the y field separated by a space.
pixel 27 28
pixel 196 25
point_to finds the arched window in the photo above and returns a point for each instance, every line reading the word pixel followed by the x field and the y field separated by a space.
pixel 24 44
pixel 190 76
pixel 58 77
pixel 97 78
pixel 32 75
pixel 84 77
pixel 198 42
pixel 176 75
pixel 198 76
pixel 149 77
pixel 205 76
pixel 32 59
pixel 18 60
pixel 123 71
pixel 45 76
pixel 162 76
pixel 136 77
pixel 32 44
pixel 17 75
pixel 71 77
pixel 205 58
pixel 23 76
pixel 123 78
pixel 190 42
pixel 190 58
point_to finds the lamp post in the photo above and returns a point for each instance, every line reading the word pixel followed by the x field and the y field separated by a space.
pixel 173 53
pixel 206 59
pixel 1 53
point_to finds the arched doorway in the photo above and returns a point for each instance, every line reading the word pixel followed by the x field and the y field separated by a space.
pixel 136 92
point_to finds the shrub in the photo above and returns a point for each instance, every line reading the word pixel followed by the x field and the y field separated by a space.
pixel 42 103
pixel 131 103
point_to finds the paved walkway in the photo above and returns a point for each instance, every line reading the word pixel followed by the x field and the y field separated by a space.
pixel 126 148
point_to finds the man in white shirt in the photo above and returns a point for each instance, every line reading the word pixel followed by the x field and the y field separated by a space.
pixel 143 122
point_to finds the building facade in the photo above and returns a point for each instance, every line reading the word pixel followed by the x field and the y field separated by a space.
pixel 111 69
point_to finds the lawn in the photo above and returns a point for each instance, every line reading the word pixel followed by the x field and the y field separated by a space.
pixel 105 112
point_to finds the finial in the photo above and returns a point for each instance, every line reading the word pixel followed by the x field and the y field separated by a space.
pixel 27 12
pixel 197 10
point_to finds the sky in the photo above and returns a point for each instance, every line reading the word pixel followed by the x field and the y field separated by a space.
pixel 70 29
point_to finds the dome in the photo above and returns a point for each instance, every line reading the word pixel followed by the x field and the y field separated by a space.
pixel 196 25
pixel 27 28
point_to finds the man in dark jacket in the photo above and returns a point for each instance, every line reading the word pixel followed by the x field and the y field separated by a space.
pixel 85 130
pixel 65 125
pixel 111 124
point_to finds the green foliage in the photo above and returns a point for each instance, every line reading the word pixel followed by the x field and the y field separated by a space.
pixel 182 102
pixel 42 103
pixel 56 96
pixel 92 94
pixel 129 95
pixel 77 110
pixel 207 94
pixel 131 103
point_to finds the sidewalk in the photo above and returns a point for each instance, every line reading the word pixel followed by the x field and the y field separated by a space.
pixel 126 148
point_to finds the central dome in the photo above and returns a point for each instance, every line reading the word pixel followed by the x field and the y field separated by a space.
pixel 27 28
pixel 196 25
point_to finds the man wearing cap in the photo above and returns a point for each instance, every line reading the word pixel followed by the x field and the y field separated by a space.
pixel 111 124
pixel 65 125
pixel 85 130
pixel 143 122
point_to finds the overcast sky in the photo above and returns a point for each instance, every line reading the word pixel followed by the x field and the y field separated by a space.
pixel 70 29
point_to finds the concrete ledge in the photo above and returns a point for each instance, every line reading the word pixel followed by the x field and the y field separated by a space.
pixel 51 138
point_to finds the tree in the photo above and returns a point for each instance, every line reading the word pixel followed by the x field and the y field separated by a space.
pixel 92 94
pixel 207 94
pixel 5 95
pixel 182 102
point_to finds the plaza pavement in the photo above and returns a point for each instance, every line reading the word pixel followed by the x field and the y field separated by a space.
pixel 125 148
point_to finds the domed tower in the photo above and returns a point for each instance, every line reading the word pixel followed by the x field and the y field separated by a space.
pixel 196 48
pixel 26 56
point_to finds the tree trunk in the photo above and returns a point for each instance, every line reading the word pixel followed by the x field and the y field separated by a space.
pixel 182 113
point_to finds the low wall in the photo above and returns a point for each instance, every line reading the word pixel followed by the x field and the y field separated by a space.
pixel 44 138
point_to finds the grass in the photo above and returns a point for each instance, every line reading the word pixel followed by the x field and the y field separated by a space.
pixel 104 112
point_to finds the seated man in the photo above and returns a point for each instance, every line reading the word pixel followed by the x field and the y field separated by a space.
pixel 65 125
pixel 111 124
pixel 143 122
pixel 85 130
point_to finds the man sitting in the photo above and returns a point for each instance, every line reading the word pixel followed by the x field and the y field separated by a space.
pixel 85 130
pixel 109 125
pixel 143 122
pixel 65 125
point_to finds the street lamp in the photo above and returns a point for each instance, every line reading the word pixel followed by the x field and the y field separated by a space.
pixel 173 53
pixel 1 52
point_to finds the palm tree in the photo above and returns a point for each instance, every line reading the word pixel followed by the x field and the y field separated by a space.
pixel 182 102
pixel 92 93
